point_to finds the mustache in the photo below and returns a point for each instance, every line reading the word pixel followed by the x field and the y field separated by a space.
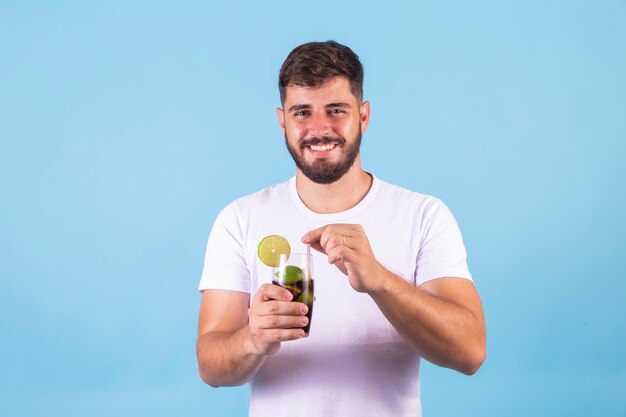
pixel 321 140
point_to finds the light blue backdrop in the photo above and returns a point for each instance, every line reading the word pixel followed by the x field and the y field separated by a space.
pixel 126 126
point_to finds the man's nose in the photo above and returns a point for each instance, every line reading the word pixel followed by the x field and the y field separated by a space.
pixel 320 125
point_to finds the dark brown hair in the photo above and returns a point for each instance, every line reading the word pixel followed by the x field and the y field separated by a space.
pixel 311 64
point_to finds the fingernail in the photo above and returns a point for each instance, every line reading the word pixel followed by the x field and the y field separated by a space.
pixel 305 239
pixel 304 309
pixel 288 296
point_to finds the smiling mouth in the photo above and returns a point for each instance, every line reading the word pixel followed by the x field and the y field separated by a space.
pixel 321 148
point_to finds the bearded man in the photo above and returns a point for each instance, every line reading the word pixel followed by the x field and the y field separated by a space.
pixel 392 284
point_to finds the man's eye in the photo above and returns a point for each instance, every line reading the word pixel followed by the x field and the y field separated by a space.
pixel 336 111
pixel 301 113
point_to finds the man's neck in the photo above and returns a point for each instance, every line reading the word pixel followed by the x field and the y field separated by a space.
pixel 341 195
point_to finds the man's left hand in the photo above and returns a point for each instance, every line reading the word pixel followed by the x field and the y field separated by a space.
pixel 349 249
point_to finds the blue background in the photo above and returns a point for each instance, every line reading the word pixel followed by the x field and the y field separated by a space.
pixel 126 126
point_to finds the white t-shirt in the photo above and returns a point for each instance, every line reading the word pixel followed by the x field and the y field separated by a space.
pixel 354 362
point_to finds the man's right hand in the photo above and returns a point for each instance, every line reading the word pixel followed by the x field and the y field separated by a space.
pixel 273 318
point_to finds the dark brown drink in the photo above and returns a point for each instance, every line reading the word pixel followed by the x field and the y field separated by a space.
pixel 302 291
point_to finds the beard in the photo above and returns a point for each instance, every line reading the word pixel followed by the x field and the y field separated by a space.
pixel 322 171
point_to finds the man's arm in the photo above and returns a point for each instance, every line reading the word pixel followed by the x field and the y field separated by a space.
pixel 224 356
pixel 442 319
pixel 233 340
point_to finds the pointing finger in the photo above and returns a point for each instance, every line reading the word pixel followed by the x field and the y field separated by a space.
pixel 313 236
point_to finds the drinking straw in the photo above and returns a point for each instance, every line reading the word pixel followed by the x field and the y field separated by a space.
pixel 308 255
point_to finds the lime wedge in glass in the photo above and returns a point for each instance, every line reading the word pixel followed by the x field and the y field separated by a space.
pixel 270 249
pixel 306 297
pixel 295 291
pixel 293 274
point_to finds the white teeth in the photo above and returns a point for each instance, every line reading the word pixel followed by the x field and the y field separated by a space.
pixel 323 147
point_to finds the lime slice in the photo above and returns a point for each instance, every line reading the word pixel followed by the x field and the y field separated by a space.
pixel 293 274
pixel 296 292
pixel 270 249
pixel 306 297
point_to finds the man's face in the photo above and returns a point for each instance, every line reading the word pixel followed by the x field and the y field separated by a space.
pixel 322 128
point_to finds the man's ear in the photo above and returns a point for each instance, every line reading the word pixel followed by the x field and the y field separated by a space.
pixel 364 113
pixel 281 118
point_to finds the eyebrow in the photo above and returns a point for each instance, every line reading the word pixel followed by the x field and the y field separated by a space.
pixel 297 107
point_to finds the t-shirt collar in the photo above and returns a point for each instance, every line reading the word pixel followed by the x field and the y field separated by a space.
pixel 333 217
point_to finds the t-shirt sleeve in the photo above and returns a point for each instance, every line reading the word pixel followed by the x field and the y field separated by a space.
pixel 224 264
pixel 441 252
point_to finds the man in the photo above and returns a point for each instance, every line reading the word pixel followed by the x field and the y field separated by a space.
pixel 391 280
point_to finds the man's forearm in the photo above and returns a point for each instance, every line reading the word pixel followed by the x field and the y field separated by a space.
pixel 226 358
pixel 441 331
